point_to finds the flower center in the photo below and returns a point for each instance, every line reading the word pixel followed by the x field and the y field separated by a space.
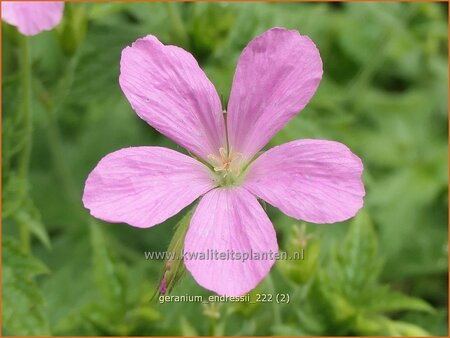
pixel 227 167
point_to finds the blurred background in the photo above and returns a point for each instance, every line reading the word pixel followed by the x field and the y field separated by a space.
pixel 383 93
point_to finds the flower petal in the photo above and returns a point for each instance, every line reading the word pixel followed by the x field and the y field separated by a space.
pixel 229 220
pixel 313 180
pixel 167 88
pixel 144 186
pixel 277 74
pixel 32 17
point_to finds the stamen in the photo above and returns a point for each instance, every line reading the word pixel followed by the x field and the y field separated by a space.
pixel 228 164
pixel 223 152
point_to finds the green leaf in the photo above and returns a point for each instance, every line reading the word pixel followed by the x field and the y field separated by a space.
pixel 348 297
pixel 398 328
pixel 105 270
pixel 384 300
pixel 146 313
pixel 23 304
pixel 356 263
pixel 20 208
pixel 35 225
pixel 209 27
pixel 382 326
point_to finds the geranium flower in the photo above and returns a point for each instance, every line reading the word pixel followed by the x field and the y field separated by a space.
pixel 32 17
pixel 312 180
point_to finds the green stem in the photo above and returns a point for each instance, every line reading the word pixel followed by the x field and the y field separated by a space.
pixel 275 306
pixel 24 231
pixel 213 327
pixel 53 134
pixel 60 163
pixel 27 117
pixel 27 120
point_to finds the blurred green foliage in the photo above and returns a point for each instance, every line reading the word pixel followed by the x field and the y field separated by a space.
pixel 384 94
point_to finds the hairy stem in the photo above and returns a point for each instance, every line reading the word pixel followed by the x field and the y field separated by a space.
pixel 53 135
pixel 26 111
pixel 26 117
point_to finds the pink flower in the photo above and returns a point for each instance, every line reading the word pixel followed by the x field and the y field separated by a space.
pixel 313 180
pixel 32 17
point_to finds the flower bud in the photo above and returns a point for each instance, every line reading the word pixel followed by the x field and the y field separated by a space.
pixel 174 267
pixel 301 270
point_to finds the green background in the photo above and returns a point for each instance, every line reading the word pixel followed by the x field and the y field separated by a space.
pixel 383 93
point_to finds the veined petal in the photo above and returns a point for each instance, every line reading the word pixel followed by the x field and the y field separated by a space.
pixel 277 74
pixel 167 88
pixel 32 17
pixel 144 186
pixel 313 180
pixel 229 221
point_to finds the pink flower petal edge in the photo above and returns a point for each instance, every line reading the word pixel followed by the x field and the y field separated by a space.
pixel 167 88
pixel 276 76
pixel 144 186
pixel 229 219
pixel 32 17
pixel 312 180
